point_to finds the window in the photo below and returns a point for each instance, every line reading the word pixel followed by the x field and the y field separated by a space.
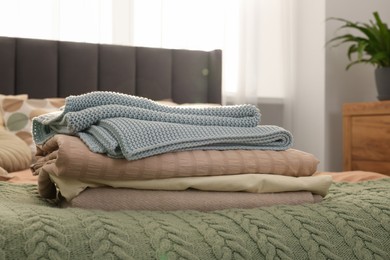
pixel 70 20
pixel 251 33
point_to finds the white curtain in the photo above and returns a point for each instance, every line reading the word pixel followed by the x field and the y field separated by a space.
pixel 253 34
pixel 264 51
pixel 70 20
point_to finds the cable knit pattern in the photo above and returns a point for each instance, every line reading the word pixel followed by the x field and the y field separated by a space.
pixel 80 112
pixel 124 126
pixel 352 222
pixel 107 239
pixel 44 235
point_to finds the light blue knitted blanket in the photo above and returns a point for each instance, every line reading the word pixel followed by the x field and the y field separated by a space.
pixel 132 127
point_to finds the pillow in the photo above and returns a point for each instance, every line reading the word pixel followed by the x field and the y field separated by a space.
pixel 10 103
pixel 15 155
pixel 18 115
pixel 4 176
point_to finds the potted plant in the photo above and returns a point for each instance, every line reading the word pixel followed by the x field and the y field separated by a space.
pixel 371 44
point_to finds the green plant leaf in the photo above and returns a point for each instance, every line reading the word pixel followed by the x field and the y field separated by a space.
pixel 360 49
pixel 384 31
pixel 370 43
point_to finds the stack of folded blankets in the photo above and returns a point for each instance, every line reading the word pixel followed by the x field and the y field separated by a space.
pixel 113 151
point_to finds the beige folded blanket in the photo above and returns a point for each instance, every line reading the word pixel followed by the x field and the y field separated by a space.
pixel 68 156
pixel 255 183
pixel 129 199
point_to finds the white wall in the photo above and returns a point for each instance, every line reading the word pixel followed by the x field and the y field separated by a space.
pixel 355 85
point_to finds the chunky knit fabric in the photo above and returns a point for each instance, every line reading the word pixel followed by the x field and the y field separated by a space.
pixel 352 222
pixel 131 127
pixel 80 112
pixel 135 139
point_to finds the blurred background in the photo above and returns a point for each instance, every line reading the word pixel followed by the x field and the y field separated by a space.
pixel 274 51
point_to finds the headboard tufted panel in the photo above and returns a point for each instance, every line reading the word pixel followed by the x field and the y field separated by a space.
pixel 117 68
pixel 45 68
pixel 78 66
pixel 154 73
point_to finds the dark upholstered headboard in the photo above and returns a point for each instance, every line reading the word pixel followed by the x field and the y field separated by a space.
pixel 44 68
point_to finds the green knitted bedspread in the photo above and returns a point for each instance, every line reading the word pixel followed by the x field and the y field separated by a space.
pixel 352 222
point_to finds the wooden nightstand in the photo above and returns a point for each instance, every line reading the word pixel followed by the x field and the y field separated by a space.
pixel 367 136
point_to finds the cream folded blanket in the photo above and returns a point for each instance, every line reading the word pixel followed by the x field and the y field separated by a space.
pixel 255 183
pixel 130 199
pixel 68 156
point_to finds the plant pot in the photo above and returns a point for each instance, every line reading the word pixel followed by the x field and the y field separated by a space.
pixel 382 78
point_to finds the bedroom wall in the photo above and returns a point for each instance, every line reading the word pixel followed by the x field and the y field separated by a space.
pixel 341 86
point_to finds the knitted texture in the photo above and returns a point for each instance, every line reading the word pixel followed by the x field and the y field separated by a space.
pixel 352 222
pixel 134 139
pixel 80 112
pixel 130 127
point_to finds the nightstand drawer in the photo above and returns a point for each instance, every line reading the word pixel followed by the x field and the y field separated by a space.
pixel 370 138
pixel 366 136
pixel 371 166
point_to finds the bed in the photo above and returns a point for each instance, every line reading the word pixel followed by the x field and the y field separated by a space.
pixel 350 221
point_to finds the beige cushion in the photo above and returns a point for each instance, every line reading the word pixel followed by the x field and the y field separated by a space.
pixel 9 102
pixel 18 115
pixel 15 155
pixel 4 176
